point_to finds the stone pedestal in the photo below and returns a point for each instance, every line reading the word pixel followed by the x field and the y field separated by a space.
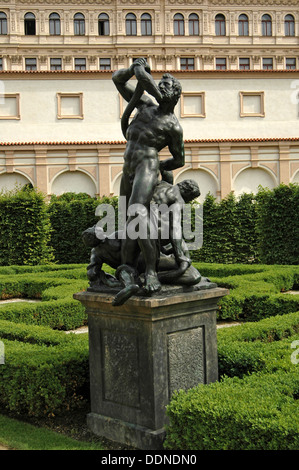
pixel 141 352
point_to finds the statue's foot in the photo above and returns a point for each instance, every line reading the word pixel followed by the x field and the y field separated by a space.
pixel 125 294
pixel 151 284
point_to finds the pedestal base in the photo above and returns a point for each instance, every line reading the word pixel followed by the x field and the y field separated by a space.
pixel 126 433
pixel 144 350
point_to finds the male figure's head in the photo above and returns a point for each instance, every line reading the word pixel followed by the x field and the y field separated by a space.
pixel 93 236
pixel 170 89
pixel 189 190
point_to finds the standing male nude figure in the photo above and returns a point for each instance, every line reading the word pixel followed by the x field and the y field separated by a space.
pixel 153 128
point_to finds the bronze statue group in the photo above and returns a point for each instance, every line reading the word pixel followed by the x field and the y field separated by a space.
pixel 160 257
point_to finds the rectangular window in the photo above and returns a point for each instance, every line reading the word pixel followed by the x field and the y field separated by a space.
pixel 268 64
pixel 10 106
pixel 70 106
pixel 252 104
pixel 55 64
pixel 193 104
pixel 80 64
pixel 291 63
pixel 187 63
pixel 221 63
pixel 105 64
pixel 30 64
pixel 244 63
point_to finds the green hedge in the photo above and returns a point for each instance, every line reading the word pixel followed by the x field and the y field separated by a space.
pixel 55 289
pixel 69 217
pixel 252 228
pixel 255 404
pixel 249 229
pixel 241 349
pixel 258 412
pixel 278 224
pixel 45 372
pixel 25 228
pixel 229 234
pixel 256 291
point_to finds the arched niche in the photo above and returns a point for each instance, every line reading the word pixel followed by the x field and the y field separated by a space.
pixel 74 182
pixel 295 178
pixel 116 185
pixel 249 180
pixel 10 181
pixel 206 182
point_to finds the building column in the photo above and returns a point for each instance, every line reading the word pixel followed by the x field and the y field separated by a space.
pixel 284 164
pixel 104 177
pixel 41 170
pixel 225 170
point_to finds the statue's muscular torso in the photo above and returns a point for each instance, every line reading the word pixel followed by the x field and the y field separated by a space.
pixel 150 131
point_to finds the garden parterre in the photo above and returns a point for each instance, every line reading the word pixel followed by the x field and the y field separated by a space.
pixel 46 371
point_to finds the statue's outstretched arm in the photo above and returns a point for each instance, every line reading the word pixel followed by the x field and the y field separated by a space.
pixel 145 79
pixel 121 78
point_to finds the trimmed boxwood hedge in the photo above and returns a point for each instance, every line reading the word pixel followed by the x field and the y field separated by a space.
pixel 45 371
pixel 256 291
pixel 255 404
pixel 54 288
pixel 258 412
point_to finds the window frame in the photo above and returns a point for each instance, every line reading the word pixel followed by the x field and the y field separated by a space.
pixel 261 94
pixel 79 24
pixel 265 66
pixel 288 67
pixel 76 59
pixel 61 95
pixel 29 22
pixel 28 66
pixel 287 23
pixel 266 29
pixel 3 24
pixel 193 24
pixel 200 94
pixel 241 67
pixel 131 24
pixel 103 24
pixel 55 65
pixel 146 24
pixel 189 66
pixel 178 25
pixel 17 116
pixel 105 66
pixel 53 22
pixel 219 66
pixel 220 25
pixel 241 25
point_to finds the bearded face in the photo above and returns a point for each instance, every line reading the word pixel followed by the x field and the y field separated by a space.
pixel 166 89
pixel 170 89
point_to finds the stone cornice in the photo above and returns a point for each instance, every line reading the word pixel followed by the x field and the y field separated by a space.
pixel 122 142
pixel 257 3
pixel 178 3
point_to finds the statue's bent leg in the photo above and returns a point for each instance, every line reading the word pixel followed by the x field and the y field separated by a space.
pixel 145 180
pixel 128 278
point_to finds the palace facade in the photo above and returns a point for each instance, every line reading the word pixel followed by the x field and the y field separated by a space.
pixel 60 112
